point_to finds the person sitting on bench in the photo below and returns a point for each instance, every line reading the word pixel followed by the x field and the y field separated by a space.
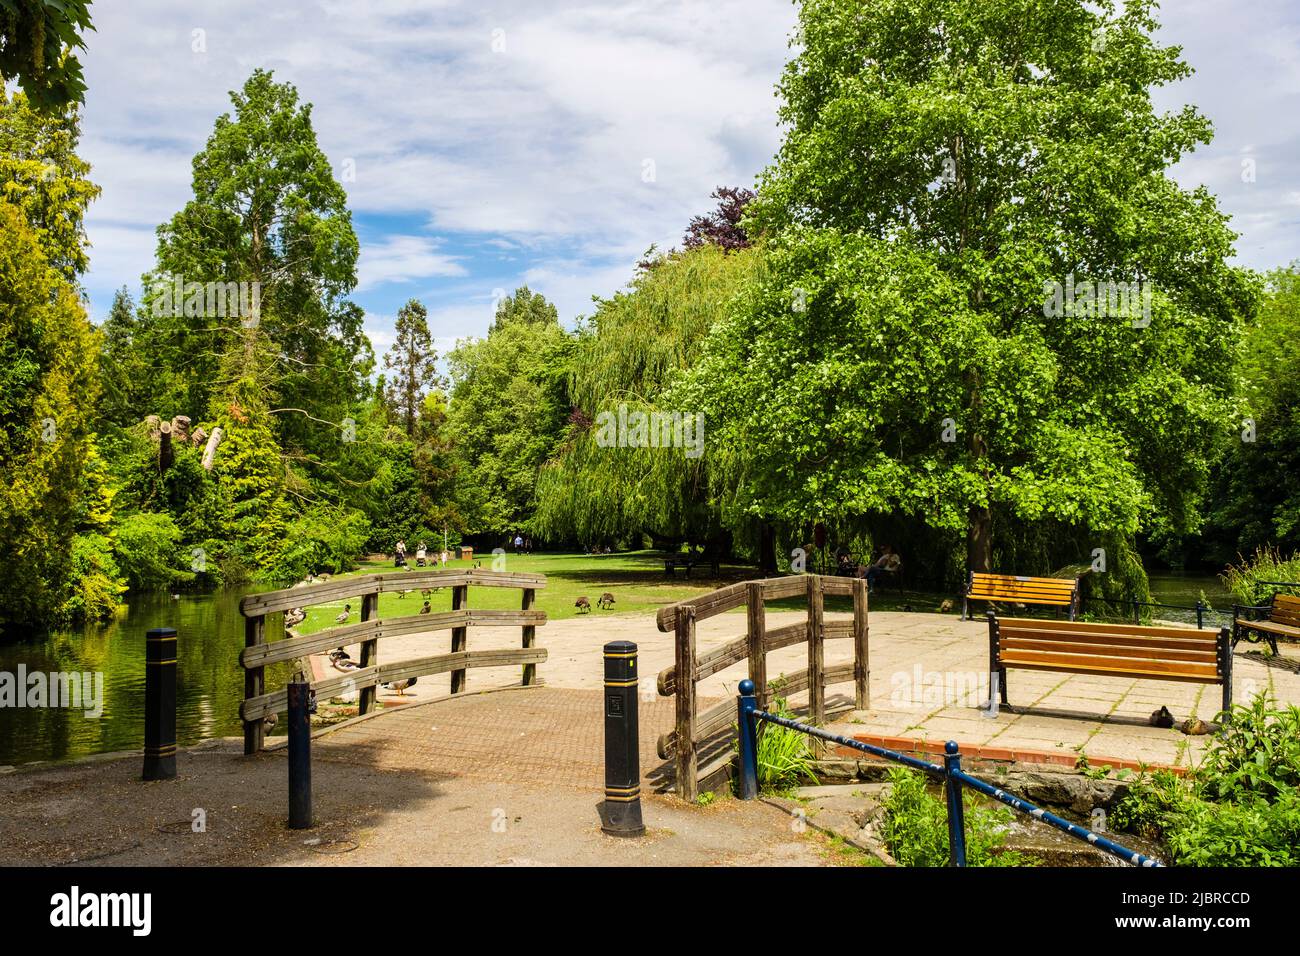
pixel 888 563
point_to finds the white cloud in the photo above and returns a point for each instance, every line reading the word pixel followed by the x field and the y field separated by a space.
pixel 401 259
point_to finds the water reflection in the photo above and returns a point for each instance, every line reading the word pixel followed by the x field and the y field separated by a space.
pixel 210 683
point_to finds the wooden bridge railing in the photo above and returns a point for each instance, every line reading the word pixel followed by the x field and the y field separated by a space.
pixel 692 728
pixel 257 653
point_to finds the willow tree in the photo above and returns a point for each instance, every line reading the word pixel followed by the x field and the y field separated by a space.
pixel 949 167
pixel 636 344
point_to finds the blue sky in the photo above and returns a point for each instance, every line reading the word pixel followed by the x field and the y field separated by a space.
pixel 498 143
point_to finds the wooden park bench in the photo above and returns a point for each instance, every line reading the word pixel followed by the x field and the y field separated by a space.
pixel 709 557
pixel 1017 589
pixel 1111 650
pixel 1281 619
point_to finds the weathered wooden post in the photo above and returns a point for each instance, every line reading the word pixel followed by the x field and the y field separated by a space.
pixel 254 682
pixel 687 763
pixel 369 652
pixel 861 648
pixel 459 601
pixel 622 809
pixel 299 754
pixel 160 704
pixel 755 636
pixel 530 637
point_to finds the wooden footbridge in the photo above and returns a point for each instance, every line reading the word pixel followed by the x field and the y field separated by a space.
pixel 259 703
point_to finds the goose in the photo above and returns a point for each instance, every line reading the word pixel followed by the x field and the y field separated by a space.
pixel 583 605
pixel 426 609
pixel 343 615
pixel 606 601
pixel 401 685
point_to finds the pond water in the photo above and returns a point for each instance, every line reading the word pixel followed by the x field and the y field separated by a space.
pixel 209 683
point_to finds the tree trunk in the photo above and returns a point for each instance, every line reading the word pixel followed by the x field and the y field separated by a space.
pixel 767 549
pixel 979 539
pixel 164 446
pixel 210 452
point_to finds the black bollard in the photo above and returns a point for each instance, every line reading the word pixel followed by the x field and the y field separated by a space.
pixel 160 704
pixel 299 755
pixel 622 810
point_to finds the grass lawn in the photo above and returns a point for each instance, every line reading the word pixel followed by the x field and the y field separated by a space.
pixel 636 579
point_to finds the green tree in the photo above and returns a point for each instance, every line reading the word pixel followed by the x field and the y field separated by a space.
pixel 1256 501
pixel 415 362
pixel 508 407
pixel 41 173
pixel 947 166
pixel 47 389
pixel 123 368
pixel 267 212
pixel 37 38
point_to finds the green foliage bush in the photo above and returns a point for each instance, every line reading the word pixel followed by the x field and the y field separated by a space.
pixel 1267 564
pixel 94 581
pixel 785 758
pixel 149 552
pixel 321 540
pixel 1239 806
pixel 916 826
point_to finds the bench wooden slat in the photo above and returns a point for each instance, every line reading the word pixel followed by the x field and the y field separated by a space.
pixel 1127 665
pixel 1112 650
pixel 1271 627
pixel 1087 627
pixel 1115 672
pixel 1125 640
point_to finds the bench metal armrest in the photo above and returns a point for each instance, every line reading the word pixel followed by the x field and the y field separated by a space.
pixel 1240 610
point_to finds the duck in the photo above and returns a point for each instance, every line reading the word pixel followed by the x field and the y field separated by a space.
pixel 294 616
pixel 1161 718
pixel 401 685
pixel 340 660
pixel 426 609
pixel 343 615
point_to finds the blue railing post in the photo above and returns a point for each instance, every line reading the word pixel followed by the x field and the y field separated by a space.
pixel 956 811
pixel 746 704
pixel 1200 614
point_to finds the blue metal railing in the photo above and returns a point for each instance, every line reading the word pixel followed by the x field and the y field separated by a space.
pixel 953 777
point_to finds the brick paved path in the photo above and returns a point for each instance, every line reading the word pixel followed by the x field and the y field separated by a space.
pixel 546 735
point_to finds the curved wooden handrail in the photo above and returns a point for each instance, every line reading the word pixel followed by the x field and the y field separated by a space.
pixel 324 592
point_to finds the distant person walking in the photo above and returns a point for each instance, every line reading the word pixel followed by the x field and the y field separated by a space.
pixel 400 558
pixel 519 543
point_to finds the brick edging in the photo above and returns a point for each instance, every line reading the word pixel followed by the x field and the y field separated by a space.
pixel 920 746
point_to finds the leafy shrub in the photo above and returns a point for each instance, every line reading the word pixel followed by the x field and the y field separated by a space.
pixel 321 540
pixel 785 756
pixel 1257 753
pixel 916 825
pixel 148 551
pixel 1267 564
pixel 92 593
pixel 1239 806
